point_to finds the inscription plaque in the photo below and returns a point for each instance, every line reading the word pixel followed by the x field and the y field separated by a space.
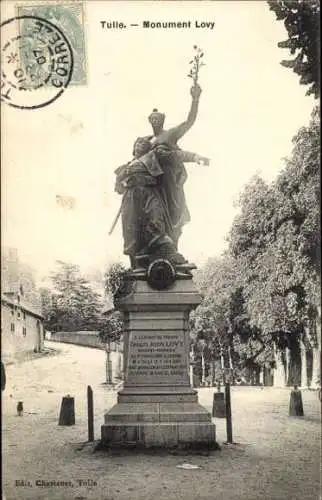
pixel 157 358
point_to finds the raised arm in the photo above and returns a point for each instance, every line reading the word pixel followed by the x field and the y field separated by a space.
pixel 164 153
pixel 188 157
pixel 177 132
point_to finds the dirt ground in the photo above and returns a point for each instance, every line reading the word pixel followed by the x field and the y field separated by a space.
pixel 276 457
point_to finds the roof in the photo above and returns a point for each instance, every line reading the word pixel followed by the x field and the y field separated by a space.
pixel 28 308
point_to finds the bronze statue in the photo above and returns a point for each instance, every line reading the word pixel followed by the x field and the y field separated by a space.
pixel 174 170
pixel 153 207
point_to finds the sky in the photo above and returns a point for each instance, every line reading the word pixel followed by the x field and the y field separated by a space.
pixel 250 109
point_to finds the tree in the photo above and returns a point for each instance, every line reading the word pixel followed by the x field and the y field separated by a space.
pixel 46 300
pixel 209 321
pixel 113 278
pixel 274 239
pixel 299 183
pixel 111 331
pixel 251 243
pixel 75 306
pixel 112 327
pixel 220 326
pixel 302 22
pixel 264 241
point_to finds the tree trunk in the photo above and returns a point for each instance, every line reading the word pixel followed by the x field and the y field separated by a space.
pixel 304 381
pixel 261 376
pixel 279 370
pixel 317 351
pixel 315 341
pixel 316 368
pixel 203 368
pixel 108 367
pixel 213 372
pixel 192 364
pixel 287 366
pixel 191 374
pixel 268 376
pixel 229 359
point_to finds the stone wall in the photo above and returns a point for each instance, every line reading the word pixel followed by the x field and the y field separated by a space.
pixel 84 338
pixel 88 339
pixel 21 332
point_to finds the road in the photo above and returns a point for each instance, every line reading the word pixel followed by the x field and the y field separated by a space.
pixel 276 457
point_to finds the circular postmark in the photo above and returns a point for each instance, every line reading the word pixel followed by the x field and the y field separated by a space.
pixel 36 62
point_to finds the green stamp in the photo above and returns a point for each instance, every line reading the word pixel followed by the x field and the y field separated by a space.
pixel 69 19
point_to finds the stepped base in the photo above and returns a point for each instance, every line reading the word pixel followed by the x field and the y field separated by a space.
pixel 157 395
pixel 158 425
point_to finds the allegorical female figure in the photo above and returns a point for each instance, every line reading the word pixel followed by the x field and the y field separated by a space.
pixel 147 220
pixel 174 172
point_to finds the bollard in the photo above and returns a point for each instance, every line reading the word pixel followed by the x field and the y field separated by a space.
pixel 20 408
pixel 90 413
pixel 3 377
pixel 229 426
pixel 296 403
pixel 67 411
pixel 218 406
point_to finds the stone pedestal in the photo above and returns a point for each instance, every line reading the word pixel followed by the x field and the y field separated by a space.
pixel 157 405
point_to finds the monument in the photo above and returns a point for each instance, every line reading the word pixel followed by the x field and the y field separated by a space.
pixel 157 406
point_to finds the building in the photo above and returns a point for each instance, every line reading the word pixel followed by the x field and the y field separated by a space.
pixel 22 328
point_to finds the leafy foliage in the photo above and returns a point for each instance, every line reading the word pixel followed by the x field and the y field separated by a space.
pixel 195 64
pixel 221 321
pixel 266 289
pixel 302 22
pixel 46 299
pixel 74 305
pixel 113 278
pixel 113 325
pixel 275 239
pixel 111 329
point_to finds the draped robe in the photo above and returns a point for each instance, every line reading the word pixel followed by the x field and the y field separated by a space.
pixel 153 206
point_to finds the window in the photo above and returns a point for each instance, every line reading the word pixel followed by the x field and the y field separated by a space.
pixel 12 327
pixel 18 314
pixel 24 331
pixel 18 298
pixel 12 311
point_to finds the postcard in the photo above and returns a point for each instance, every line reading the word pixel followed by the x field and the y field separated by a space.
pixel 160 303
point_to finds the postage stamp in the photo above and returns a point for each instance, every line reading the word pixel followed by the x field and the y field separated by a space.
pixel 69 18
pixel 36 62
